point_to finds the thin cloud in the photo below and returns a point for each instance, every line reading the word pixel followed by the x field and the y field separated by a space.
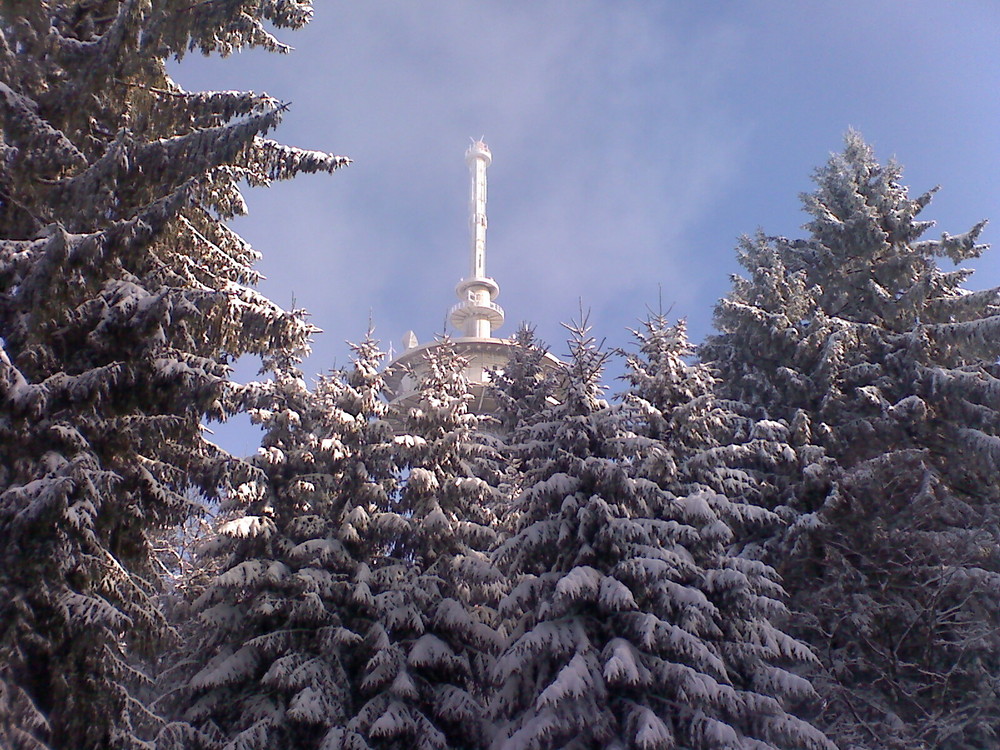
pixel 608 140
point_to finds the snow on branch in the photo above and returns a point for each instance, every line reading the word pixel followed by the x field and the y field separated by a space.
pixel 280 162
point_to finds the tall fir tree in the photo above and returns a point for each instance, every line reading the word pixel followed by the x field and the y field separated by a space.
pixel 432 590
pixel 629 624
pixel 855 342
pixel 280 620
pixel 523 388
pixel 123 297
pixel 674 403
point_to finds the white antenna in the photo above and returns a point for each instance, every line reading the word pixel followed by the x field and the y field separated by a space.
pixel 476 314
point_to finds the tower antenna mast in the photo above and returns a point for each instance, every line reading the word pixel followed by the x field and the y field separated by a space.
pixel 476 314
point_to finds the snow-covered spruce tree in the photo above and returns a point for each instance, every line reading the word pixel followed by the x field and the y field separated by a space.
pixel 279 620
pixel 674 403
pixel 524 384
pixel 522 390
pixel 122 298
pixel 429 644
pixel 855 340
pixel 771 385
pixel 630 626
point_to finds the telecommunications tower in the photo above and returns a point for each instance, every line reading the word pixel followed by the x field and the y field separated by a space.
pixel 476 315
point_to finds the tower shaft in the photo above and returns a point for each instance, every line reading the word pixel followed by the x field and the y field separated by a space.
pixel 478 160
pixel 476 314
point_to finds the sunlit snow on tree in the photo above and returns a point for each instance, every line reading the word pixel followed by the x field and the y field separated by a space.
pixel 124 298
pixel 629 624
pixel 879 369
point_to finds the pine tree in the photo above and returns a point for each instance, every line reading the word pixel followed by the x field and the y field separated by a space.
pixel 856 341
pixel 123 297
pixel 522 389
pixel 429 642
pixel 524 385
pixel 676 401
pixel 630 626
pixel 771 381
pixel 280 618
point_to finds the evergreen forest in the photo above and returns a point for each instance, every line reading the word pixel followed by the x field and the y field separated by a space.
pixel 786 537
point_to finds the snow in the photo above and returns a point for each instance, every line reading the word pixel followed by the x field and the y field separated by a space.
pixel 429 651
pixel 573 681
pixel 615 596
pixel 227 668
pixel 250 573
pixel 622 664
pixel 580 583
pixel 248 526
pixel 395 721
pixel 651 733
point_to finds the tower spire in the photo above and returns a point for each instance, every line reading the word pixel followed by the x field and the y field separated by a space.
pixel 478 157
pixel 476 314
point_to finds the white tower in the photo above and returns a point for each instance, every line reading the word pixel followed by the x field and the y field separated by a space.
pixel 476 314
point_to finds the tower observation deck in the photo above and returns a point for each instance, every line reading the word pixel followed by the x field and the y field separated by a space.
pixel 476 314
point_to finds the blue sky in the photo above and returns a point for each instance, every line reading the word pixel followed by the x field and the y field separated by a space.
pixel 633 143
